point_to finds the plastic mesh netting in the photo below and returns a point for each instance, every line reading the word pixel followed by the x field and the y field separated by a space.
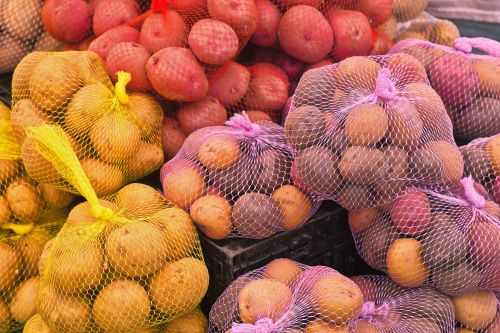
pixel 468 84
pixel 21 31
pixel 429 28
pixel 286 296
pixel 450 241
pixel 115 135
pixel 365 129
pixel 477 312
pixel 235 181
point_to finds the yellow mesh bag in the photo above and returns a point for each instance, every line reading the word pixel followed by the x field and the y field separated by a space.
pixel 115 135
pixel 22 249
pixel 120 264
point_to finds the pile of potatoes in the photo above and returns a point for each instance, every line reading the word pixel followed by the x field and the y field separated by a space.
pixel 429 28
pixel 236 184
pixel 482 162
pixel 116 136
pixel 477 312
pixel 140 266
pixel 469 86
pixel 365 129
pixel 392 308
pixel 22 260
pixel 21 31
pixel 291 296
pixel 422 238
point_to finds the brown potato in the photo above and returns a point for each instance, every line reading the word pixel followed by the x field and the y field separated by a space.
pixel 30 247
pixel 456 280
pixel 105 178
pixel 488 70
pixel 219 152
pixel 361 219
pixel 147 114
pixel 48 43
pixel 257 215
pixel 5 315
pixel 24 115
pixel 353 197
pixel 44 256
pixel 24 300
pixel 317 168
pixel 271 170
pixel 4 210
pixel 406 127
pixel 193 322
pixel 284 270
pixel 55 198
pixel 295 205
pixel 11 53
pixel 184 185
pixel 405 263
pixel 22 75
pixel 362 165
pixel 8 169
pixel 366 124
pixel 476 310
pixel 396 172
pixel 437 161
pixel 357 73
pixel 304 127
pixel 10 266
pixel 147 158
pixel 212 213
pixel 24 200
pixel 139 200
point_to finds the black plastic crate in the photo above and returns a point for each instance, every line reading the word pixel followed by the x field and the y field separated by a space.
pixel 5 88
pixel 326 240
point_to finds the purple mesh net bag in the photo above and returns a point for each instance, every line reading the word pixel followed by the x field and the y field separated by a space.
pixel 478 311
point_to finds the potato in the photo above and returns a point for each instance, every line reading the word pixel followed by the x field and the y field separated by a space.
pixel 257 215
pixel 4 210
pixel 10 266
pixel 336 298
pixel 179 286
pixel 366 124
pixel 457 280
pixel 406 127
pixel 8 169
pixel 305 127
pixel 202 113
pixel 172 137
pixel 405 11
pixel 146 159
pixel 147 114
pixel 150 203
pixel 229 83
pixel 132 58
pixel 48 43
pixel 67 314
pixel 317 167
pixel 493 148
pixel 44 256
pixel 478 119
pixel 212 214
pixel 445 32
pixel 24 200
pixel 263 296
pixel 176 75
pixel 241 15
pixel 213 42
pixel 430 109
pixel 361 165
pixel 184 185
pixel 283 270
pixel 30 247
pixel 305 34
pixel 163 30
pixel 271 170
pixel 484 240
pixel 241 175
pixel 36 325
pixel 411 213
pixel 112 13
pixel 405 264
pixel 53 197
pixel 219 152
pixel 319 326
pixel 267 91
pixel 20 80
pixel 103 44
pixel 25 114
pixel 12 52
pixel 104 178
pixel 361 219
pixel 67 21
pixel 27 26
pixel 23 303
pixel 121 306
pixel 488 74
pixel 357 73
pixel 178 230
pixel 255 116
pixel 268 23
pixel 295 205
pixel 475 310
pixel 81 216
pixel 194 322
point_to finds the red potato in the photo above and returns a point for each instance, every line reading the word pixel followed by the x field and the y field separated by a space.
pixel 255 116
pixel 352 33
pixel 268 69
pixel 163 30
pixel 188 6
pixel 172 137
pixel 269 20
pixel 305 34
pixel 377 11
pixel 175 74
pixel 129 57
pixel 496 190
pixel 68 21
pixel 411 213
pixel 213 42
pixel 381 43
pixel 319 64
pixel 292 67
pixel 290 3
pixel 105 42
pixel 229 83
pixel 203 113
pixel 241 15
pixel 85 44
pixel 111 13
pixel 268 90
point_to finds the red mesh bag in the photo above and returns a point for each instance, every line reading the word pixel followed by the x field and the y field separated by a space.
pixel 365 129
pixel 450 241
pixel 478 311
pixel 235 181
pixel 388 307
pixel 429 28
pixel 482 162
pixel 286 296
pixel 468 84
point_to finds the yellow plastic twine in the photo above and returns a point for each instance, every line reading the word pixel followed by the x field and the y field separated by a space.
pixel 10 148
pixel 19 229
pixel 124 78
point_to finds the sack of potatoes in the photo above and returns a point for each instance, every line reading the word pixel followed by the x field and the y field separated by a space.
pixel 477 311
pixel 448 240
pixel 405 10
pixel 482 163
pixel 389 307
pixel 23 254
pixel 367 128
pixel 235 181
pixel 116 135
pixel 429 28
pixel 22 31
pixel 468 84
pixel 285 296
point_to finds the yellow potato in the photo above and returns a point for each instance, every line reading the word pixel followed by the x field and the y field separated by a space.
pixel 30 247
pixel 284 270
pixel 4 211
pixel 8 169
pixel 219 152
pixel 405 264
pixel 147 158
pixel 493 147
pixel 319 326
pixel 192 322
pixel 464 330
pixel 5 315
pixel 25 114
pixel 55 198
pixel 24 200
pixel 146 113
pixel 105 178
pixel 212 213
pixel 36 325
pixel 139 200
pixel 183 186
pixel 10 266
pixel 37 167
pixel 23 303
pixel 475 310
pixel 295 205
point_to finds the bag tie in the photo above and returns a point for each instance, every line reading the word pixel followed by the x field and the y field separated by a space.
pixel 243 123
pixel 384 87
pixel 263 325
pixel 369 310
pixel 466 44
pixel 470 193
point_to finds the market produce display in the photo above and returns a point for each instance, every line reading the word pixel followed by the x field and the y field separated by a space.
pixel 21 32
pixel 467 83
pixel 115 134
pixel 235 180
pixel 429 28
pixel 365 129
pixel 388 307
pixel 286 296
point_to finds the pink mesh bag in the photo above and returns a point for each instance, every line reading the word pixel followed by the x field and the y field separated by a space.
pixel 367 128
pixel 468 84
pixel 478 311
pixel 450 241
pixel 482 162
pixel 429 28
pixel 235 181
pixel 388 307
pixel 286 296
